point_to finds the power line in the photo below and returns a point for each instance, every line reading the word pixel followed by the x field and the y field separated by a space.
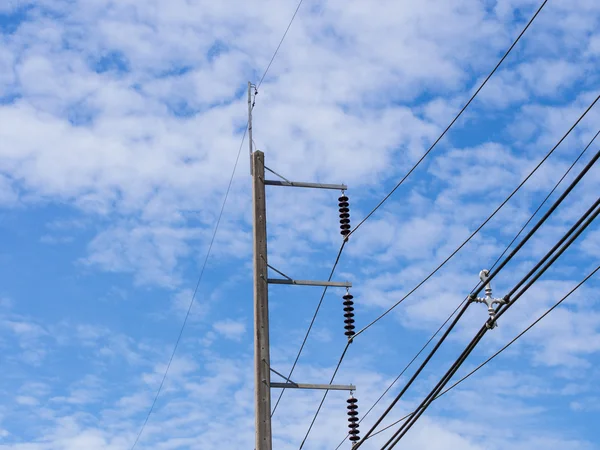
pixel 492 274
pixel 324 396
pixel 443 263
pixel 522 333
pixel 280 43
pixel 422 158
pixel 403 371
pixel 547 261
pixel 337 259
pixel 461 304
pixel 187 314
pixel 211 242
pixel 453 120
pixel 495 355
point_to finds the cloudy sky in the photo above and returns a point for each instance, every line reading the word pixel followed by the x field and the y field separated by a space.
pixel 120 123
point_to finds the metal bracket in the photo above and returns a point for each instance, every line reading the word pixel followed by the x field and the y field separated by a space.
pixel 337 187
pixel 345 284
pixel 329 387
pixel 488 299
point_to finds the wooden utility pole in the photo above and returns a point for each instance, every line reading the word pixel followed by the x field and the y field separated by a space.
pixel 262 360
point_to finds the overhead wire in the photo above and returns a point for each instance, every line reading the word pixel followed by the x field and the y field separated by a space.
pixel 526 282
pixel 337 367
pixel 540 206
pixel 460 113
pixel 443 263
pixel 191 304
pixel 492 274
pixel 429 150
pixel 280 43
pixel 426 153
pixel 310 326
pixel 177 342
pixel 497 353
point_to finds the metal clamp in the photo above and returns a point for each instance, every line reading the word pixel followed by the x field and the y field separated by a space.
pixel 488 299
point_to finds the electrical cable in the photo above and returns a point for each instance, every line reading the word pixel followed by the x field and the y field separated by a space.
pixel 492 274
pixel 191 304
pixel 453 120
pixel 495 355
pixel 443 263
pixel 545 263
pixel 212 241
pixel 280 43
pixel 491 268
pixel 325 395
pixel 337 259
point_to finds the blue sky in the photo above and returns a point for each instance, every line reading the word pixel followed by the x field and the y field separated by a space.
pixel 119 127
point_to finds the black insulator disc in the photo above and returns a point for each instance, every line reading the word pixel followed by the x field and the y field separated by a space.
pixel 348 296
pixel 344 211
pixel 344 204
pixel 348 303
pixel 343 198
pixel 345 232
pixel 349 333
pixel 345 221
pixel 344 215
pixel 345 227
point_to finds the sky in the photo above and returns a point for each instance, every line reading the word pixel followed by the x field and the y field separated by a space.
pixel 120 123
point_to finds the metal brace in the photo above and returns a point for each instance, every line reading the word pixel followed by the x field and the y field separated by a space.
pixel 488 299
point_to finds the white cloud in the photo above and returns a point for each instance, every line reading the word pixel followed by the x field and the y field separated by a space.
pixel 130 114
pixel 231 329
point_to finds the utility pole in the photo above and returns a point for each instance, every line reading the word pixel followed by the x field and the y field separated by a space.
pixel 262 381
pixel 262 360
pixel 262 374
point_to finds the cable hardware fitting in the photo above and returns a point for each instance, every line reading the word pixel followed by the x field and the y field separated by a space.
pixel 489 300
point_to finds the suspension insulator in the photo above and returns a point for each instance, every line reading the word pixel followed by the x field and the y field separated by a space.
pixel 349 314
pixel 344 215
pixel 353 420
